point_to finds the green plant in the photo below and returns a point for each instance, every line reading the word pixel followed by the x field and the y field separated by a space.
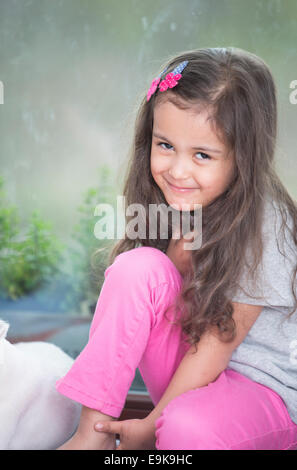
pixel 9 220
pixel 84 271
pixel 28 258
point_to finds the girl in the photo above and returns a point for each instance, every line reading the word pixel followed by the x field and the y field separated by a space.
pixel 213 329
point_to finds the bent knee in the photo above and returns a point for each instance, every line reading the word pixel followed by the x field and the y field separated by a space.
pixel 148 263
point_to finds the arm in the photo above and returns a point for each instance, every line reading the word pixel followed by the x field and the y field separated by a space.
pixel 198 369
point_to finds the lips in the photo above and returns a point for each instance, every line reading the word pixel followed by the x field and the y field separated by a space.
pixel 180 189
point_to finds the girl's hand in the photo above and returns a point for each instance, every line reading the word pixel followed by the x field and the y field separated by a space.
pixel 179 256
pixel 134 433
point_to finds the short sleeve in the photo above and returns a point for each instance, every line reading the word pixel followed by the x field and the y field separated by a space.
pixel 272 283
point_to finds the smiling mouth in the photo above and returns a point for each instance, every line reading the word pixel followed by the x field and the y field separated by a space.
pixel 179 189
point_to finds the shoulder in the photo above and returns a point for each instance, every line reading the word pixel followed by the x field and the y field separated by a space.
pixel 271 284
pixel 277 230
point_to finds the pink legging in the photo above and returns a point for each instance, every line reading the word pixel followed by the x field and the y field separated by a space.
pixel 129 330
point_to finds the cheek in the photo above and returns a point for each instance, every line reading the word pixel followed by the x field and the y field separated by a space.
pixel 221 179
pixel 219 174
pixel 158 164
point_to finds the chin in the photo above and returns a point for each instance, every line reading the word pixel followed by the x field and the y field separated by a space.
pixel 188 207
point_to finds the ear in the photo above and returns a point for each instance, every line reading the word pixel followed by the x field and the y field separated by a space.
pixel 3 329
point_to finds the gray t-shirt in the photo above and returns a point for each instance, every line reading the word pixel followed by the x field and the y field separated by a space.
pixel 268 354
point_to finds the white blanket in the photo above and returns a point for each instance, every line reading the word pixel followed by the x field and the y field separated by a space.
pixel 33 415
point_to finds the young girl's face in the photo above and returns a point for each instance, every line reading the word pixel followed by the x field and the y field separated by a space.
pixel 189 163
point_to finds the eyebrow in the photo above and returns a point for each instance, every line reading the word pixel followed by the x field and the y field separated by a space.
pixel 207 149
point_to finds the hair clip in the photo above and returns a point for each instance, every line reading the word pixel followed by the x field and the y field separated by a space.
pixel 170 81
pixel 154 84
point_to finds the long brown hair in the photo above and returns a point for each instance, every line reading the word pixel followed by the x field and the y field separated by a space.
pixel 239 88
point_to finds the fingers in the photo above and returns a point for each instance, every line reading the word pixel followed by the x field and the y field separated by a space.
pixel 191 234
pixel 113 427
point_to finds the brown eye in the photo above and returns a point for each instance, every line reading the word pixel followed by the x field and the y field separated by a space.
pixel 164 143
pixel 205 156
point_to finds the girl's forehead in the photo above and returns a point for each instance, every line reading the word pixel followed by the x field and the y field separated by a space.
pixel 180 103
pixel 167 108
pixel 168 114
pixel 192 118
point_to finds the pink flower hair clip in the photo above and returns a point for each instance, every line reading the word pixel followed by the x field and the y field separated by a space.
pixel 170 81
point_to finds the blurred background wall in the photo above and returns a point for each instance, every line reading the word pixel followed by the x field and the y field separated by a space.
pixel 73 72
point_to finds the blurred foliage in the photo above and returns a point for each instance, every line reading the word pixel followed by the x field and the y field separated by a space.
pixel 87 257
pixel 28 258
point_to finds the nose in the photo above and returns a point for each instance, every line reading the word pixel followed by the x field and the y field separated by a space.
pixel 180 169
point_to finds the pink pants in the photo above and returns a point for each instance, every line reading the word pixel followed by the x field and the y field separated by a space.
pixel 129 330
